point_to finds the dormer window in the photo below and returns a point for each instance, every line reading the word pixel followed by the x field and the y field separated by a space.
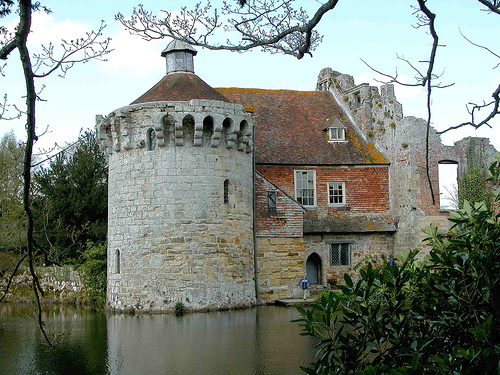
pixel 336 134
pixel 336 131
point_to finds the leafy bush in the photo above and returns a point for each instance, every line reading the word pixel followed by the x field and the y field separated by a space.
pixel 7 262
pixel 332 281
pixel 179 309
pixel 438 317
pixel 94 268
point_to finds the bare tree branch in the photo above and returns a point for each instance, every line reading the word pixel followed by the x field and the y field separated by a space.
pixel 431 17
pixel 473 108
pixel 4 108
pixel 478 45
pixel 492 5
pixel 54 155
pixel 92 48
pixel 75 51
pixel 6 290
pixel 476 108
pixel 7 49
pixel 274 26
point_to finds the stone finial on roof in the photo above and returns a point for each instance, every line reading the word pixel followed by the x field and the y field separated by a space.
pixel 179 56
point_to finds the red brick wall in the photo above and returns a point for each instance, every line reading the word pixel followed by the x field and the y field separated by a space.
pixel 288 218
pixel 367 188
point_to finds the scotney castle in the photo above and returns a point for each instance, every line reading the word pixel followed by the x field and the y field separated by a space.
pixel 225 197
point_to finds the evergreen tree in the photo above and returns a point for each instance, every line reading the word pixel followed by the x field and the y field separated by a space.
pixel 12 218
pixel 71 201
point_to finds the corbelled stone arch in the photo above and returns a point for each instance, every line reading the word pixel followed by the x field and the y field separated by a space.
pixel 228 134
pixel 217 130
pixel 244 135
pixel 187 129
pixel 167 130
pixel 208 130
pixel 146 134
pixel 104 134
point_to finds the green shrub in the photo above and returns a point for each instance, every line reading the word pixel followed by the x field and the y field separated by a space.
pixel 179 309
pixel 436 317
pixel 8 262
pixel 332 281
pixel 94 269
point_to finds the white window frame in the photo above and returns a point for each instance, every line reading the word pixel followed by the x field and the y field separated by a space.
pixel 336 136
pixel 296 172
pixel 330 204
pixel 337 246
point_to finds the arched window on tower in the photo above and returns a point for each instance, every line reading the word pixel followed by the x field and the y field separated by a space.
pixel 226 191
pixel 151 139
pixel 117 261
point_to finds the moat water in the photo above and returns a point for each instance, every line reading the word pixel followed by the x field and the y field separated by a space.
pixel 261 340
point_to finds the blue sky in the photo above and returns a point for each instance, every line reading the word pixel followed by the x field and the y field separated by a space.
pixel 373 31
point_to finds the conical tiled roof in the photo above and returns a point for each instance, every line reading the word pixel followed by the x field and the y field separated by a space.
pixel 180 86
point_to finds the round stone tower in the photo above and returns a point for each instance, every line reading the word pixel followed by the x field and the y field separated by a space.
pixel 180 194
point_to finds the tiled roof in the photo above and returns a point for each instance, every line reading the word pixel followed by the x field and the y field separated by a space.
pixel 180 86
pixel 291 128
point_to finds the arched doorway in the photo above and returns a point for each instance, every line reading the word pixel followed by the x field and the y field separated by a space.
pixel 313 268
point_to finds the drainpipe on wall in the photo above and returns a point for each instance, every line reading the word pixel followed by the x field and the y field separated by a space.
pixel 254 221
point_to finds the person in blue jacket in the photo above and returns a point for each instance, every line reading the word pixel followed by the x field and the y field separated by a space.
pixel 304 283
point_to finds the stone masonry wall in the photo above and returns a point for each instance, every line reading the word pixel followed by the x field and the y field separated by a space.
pixel 280 264
pixel 363 246
pixel 60 285
pixel 175 233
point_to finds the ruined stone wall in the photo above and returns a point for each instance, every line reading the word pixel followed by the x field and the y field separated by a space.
pixel 180 215
pixel 379 116
pixel 60 284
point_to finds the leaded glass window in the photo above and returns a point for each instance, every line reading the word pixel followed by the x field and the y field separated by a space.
pixel 336 134
pixel 340 254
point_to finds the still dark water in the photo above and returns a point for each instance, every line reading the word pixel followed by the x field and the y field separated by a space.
pixel 255 341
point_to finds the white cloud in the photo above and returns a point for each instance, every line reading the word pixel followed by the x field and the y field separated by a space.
pixel 44 30
pixel 133 55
